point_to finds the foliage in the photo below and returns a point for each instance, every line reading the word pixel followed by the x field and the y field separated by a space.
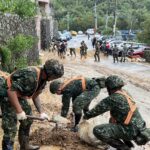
pixel 144 35
pixel 130 13
pixel 14 52
pixel 24 8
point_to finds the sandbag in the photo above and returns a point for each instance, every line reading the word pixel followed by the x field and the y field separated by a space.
pixel 86 134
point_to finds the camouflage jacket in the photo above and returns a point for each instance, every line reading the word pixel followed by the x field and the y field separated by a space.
pixel 74 89
pixel 25 82
pixel 118 106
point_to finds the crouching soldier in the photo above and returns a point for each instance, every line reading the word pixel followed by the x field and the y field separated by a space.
pixel 22 84
pixel 82 91
pixel 126 123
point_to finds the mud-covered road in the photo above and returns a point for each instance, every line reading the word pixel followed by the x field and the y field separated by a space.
pixel 136 76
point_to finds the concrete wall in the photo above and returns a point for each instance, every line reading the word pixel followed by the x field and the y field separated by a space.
pixel 11 25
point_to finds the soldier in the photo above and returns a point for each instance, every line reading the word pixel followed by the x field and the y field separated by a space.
pixel 82 91
pixel 124 53
pixel 115 53
pixel 83 50
pixel 126 123
pixel 97 52
pixel 73 51
pixel 22 84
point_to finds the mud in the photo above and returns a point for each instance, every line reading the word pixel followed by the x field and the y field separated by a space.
pixel 65 139
pixel 138 85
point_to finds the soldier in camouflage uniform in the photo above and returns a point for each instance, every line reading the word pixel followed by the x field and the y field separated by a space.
pixel 82 91
pixel 72 51
pixel 83 50
pixel 97 52
pixel 115 53
pixel 22 84
pixel 126 123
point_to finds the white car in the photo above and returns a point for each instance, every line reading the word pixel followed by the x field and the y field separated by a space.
pixel 80 32
pixel 90 31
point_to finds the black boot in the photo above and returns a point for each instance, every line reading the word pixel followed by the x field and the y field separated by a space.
pixel 23 138
pixel 77 120
pixel 117 144
pixel 24 144
pixel 128 143
pixel 7 144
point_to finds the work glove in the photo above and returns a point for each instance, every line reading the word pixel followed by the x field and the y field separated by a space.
pixel 44 116
pixel 21 116
pixel 60 119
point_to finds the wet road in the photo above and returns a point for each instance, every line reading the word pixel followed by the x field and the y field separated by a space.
pixel 140 68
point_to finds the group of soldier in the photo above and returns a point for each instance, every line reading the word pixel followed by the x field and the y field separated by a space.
pixel 58 47
pixel 125 124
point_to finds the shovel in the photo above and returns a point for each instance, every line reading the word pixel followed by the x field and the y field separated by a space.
pixel 40 119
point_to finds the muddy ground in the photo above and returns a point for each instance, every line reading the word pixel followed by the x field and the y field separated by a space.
pixel 137 83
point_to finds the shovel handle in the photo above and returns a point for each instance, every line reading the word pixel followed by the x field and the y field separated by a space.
pixel 35 118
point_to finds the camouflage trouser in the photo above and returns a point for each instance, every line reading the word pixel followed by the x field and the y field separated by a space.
pixel 83 101
pixel 114 131
pixel 97 56
pixel 72 51
pixel 9 119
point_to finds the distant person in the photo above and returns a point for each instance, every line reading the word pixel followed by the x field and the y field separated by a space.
pixel 83 50
pixel 88 36
pixel 94 42
pixel 72 51
pixel 97 52
pixel 108 48
pixel 115 53
pixel 124 53
pixel 130 50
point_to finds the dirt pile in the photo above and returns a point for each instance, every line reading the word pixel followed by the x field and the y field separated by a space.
pixel 66 139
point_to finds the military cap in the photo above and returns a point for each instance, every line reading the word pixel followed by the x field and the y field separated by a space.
pixel 52 67
pixel 113 82
pixel 54 86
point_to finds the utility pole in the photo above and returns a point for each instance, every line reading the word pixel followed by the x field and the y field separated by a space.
pixel 115 19
pixel 95 15
pixel 68 21
pixel 106 22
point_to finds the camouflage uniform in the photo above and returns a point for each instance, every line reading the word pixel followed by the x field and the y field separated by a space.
pixel 97 52
pixel 83 50
pixel 24 81
pixel 115 53
pixel 73 51
pixel 111 133
pixel 81 99
pixel 124 53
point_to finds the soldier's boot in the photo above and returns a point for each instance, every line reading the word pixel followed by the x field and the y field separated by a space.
pixel 23 138
pixel 119 145
pixel 77 120
pixel 24 144
pixel 7 144
pixel 128 143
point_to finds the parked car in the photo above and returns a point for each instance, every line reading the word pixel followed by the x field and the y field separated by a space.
pixel 73 33
pixel 61 36
pixel 140 50
pixel 90 31
pixel 80 32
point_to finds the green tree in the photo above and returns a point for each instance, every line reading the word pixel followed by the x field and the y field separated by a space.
pixel 24 8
